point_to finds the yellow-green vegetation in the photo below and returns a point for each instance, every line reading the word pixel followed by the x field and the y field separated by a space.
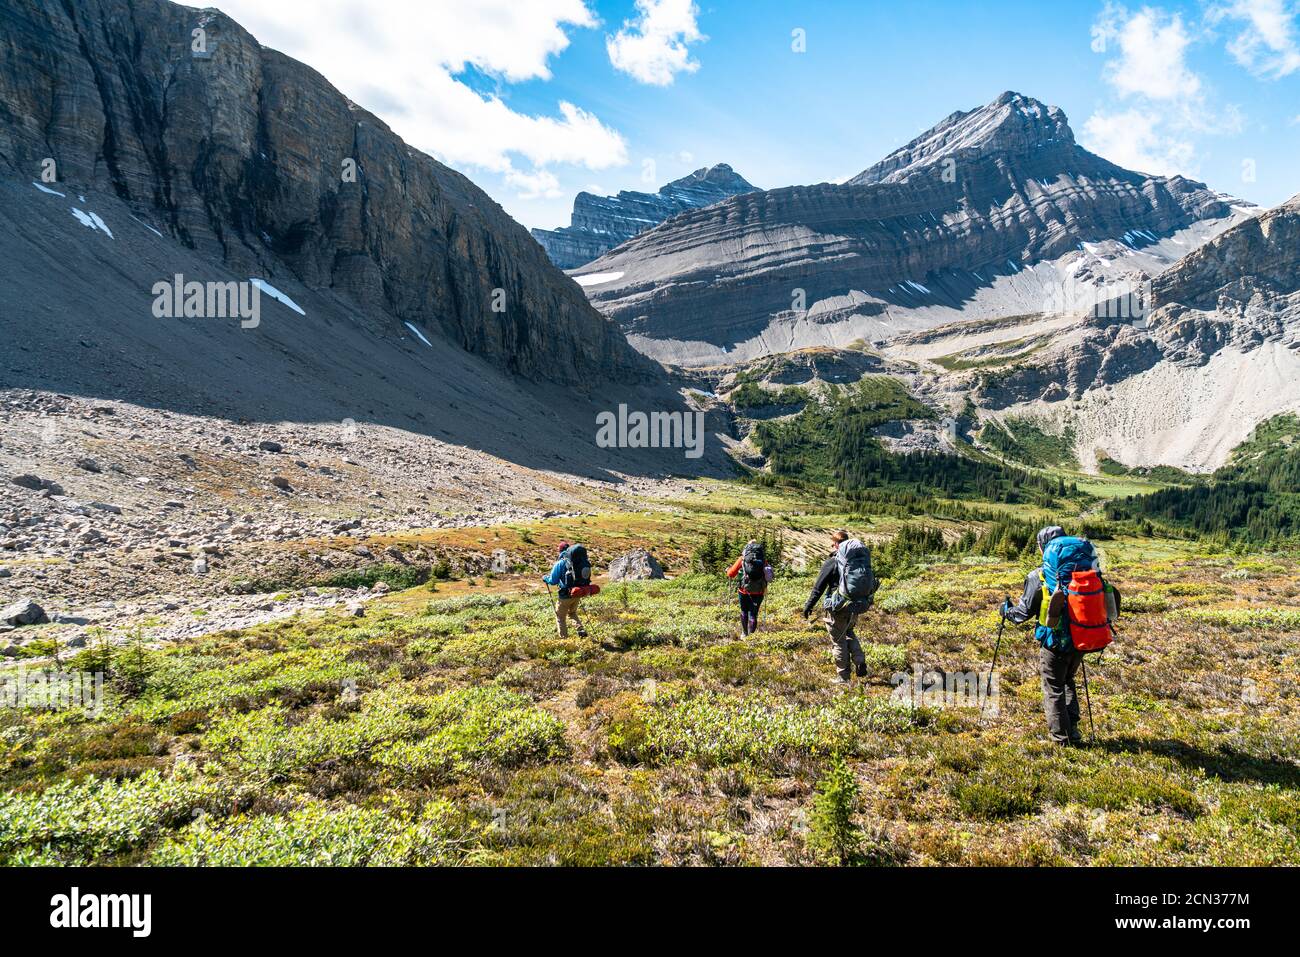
pixel 989 357
pixel 461 730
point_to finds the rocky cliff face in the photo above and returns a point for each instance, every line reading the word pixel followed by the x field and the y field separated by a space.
pixel 600 223
pixel 1217 353
pixel 962 214
pixel 245 156
pixel 1239 291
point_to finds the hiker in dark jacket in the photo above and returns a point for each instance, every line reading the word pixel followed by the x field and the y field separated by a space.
pixel 839 622
pixel 1057 666
pixel 751 588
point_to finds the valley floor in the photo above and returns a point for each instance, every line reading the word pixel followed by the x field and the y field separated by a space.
pixel 448 724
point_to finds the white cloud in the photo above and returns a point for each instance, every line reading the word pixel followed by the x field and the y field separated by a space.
pixel 400 61
pixel 536 185
pixel 653 48
pixel 1161 104
pixel 1137 140
pixel 1267 45
pixel 1152 53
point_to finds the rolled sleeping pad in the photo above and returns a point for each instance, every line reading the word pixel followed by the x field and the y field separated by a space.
pixel 584 591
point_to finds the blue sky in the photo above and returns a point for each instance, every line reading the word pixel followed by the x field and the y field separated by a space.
pixel 540 99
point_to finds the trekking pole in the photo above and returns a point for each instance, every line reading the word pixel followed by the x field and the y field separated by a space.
pixel 988 686
pixel 1092 728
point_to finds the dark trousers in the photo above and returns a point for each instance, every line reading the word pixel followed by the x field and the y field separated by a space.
pixel 1060 699
pixel 749 605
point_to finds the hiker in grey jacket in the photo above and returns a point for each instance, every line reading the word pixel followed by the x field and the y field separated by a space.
pixel 839 622
pixel 1056 667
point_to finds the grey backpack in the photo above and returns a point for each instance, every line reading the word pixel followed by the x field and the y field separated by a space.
pixel 857 582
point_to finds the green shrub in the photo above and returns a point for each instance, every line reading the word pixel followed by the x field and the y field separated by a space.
pixel 469 725
pixel 910 602
pixel 1243 619
pixel 833 837
pixel 320 835
pixel 718 729
pixel 91 821
pixel 396 577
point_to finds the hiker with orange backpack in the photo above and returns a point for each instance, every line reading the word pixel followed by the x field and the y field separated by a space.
pixel 755 574
pixel 1074 608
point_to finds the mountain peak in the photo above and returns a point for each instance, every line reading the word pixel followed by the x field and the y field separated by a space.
pixel 720 176
pixel 599 223
pixel 1011 124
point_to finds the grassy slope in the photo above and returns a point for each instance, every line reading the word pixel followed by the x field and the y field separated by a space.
pixel 453 726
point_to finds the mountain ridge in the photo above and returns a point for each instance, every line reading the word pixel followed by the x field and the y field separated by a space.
pixel 829 264
pixel 599 223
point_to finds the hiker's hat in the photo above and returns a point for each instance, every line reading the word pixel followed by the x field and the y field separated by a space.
pixel 1049 533
pixel 564 546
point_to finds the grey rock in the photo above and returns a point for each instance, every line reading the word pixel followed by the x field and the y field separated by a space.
pixel 267 445
pixel 24 612
pixel 636 565
pixel 37 484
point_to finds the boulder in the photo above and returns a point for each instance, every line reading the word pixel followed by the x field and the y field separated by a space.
pixel 24 612
pixel 637 564
pixel 37 484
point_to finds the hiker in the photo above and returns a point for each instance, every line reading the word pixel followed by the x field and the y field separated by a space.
pixel 848 583
pixel 1058 657
pixel 570 573
pixel 755 573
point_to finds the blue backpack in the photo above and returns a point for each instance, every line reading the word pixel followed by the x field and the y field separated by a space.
pixel 1062 558
pixel 577 569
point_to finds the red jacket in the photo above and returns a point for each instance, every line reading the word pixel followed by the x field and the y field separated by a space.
pixel 734 570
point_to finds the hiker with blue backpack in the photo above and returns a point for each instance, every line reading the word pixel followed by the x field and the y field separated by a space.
pixel 571 573
pixel 849 585
pixel 1074 608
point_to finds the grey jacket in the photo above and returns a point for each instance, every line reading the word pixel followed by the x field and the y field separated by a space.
pixel 1031 602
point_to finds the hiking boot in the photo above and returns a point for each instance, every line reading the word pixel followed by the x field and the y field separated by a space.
pixel 582 632
pixel 860 669
pixel 841 680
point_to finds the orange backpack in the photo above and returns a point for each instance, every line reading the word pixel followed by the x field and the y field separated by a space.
pixel 1089 614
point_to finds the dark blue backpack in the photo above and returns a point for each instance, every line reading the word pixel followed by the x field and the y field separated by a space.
pixel 577 567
